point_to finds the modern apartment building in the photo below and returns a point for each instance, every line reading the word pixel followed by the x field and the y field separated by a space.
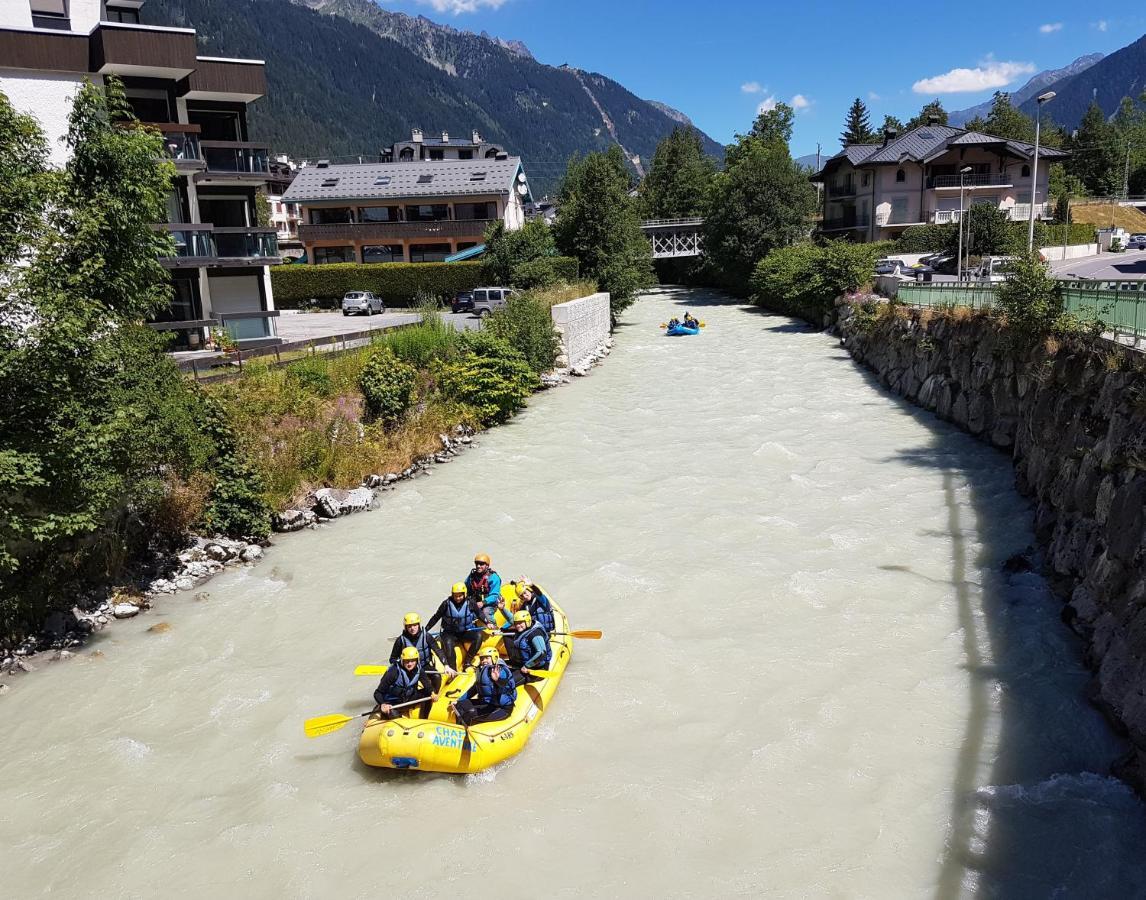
pixel 220 268
pixel 873 191
pixel 405 211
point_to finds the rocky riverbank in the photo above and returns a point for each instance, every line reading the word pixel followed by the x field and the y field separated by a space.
pixel 1072 415
pixel 204 557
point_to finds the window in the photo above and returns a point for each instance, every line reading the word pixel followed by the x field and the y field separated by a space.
pixel 477 176
pixel 436 212
pixel 383 253
pixel 127 15
pixel 1026 171
pixel 217 124
pixel 406 154
pixel 50 14
pixel 437 155
pixel 466 212
pixel 465 154
pixel 378 214
pixel 429 252
pixel 900 176
pixel 866 179
pixel 382 181
pixel 491 154
pixel 323 255
pixel 425 179
pixel 898 211
pixel 339 215
pixel 330 182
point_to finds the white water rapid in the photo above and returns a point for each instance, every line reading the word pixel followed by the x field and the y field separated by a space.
pixel 815 680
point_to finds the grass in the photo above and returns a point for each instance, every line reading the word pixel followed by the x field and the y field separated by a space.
pixel 563 293
pixel 1106 215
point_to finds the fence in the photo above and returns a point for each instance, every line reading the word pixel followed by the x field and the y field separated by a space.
pixel 1121 311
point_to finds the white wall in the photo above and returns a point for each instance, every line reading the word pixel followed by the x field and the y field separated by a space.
pixel 1073 251
pixel 85 14
pixel 235 293
pixel 15 14
pixel 514 210
pixel 48 97
pixel 583 324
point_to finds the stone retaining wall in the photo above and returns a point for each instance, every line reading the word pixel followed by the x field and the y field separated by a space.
pixel 583 325
pixel 1073 418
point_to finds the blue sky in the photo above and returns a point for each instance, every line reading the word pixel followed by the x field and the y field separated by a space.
pixel 718 61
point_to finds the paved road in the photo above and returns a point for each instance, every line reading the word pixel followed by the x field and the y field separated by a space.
pixel 308 326
pixel 1129 266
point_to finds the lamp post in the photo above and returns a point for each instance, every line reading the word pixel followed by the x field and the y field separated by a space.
pixel 1043 98
pixel 959 262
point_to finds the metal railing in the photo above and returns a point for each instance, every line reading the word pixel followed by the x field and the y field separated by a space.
pixel 246 243
pixel 666 223
pixel 845 222
pixel 236 156
pixel 946 295
pixel 846 189
pixel 975 179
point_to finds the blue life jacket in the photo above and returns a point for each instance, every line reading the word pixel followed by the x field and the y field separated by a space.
pixel 525 648
pixel 496 693
pixel 459 618
pixel 422 644
pixel 406 686
pixel 541 612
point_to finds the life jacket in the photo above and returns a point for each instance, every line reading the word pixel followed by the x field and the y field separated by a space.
pixel 459 618
pixel 479 587
pixel 406 686
pixel 524 644
pixel 496 693
pixel 422 644
pixel 541 612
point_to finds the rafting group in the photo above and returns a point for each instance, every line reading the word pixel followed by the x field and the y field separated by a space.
pixel 688 325
pixel 468 696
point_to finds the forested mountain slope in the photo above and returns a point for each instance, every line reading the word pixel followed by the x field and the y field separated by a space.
pixel 1121 74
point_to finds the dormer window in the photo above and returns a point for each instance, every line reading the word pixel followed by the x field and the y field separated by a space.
pixel 50 14
pixel 1026 171
pixel 900 176
pixel 382 181
pixel 425 179
pixel 330 182
pixel 477 176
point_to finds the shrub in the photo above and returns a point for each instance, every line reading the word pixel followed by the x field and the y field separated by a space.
pixel 312 376
pixel 1030 297
pixel 490 377
pixel 925 238
pixel 505 250
pixel 398 284
pixel 789 278
pixel 237 505
pixel 526 324
pixel 846 267
pixel 1053 235
pixel 387 384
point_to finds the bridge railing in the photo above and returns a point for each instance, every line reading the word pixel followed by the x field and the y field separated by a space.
pixel 667 223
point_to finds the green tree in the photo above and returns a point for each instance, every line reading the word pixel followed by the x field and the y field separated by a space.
pixel 934 109
pixel 986 232
pixel 1097 154
pixel 1029 298
pixel 891 123
pixel 760 201
pixel 600 226
pixel 1007 121
pixel 506 249
pixel 1062 187
pixel 857 125
pixel 24 180
pixel 678 178
pixel 387 385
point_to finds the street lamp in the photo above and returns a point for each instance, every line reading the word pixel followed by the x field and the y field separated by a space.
pixel 1043 98
pixel 959 262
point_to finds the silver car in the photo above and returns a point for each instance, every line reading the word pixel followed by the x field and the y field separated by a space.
pixel 487 299
pixel 362 302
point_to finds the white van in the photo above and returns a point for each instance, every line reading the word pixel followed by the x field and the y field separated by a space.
pixel 993 269
pixel 487 299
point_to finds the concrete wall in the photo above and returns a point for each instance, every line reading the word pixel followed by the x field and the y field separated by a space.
pixel 47 97
pixel 1073 251
pixel 583 324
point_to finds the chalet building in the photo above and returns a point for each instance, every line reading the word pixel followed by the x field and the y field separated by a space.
pixel 432 149
pixel 220 267
pixel 414 211
pixel 873 191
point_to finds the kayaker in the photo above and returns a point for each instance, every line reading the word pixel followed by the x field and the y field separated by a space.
pixel 414 635
pixel 493 694
pixel 403 683
pixel 484 585
pixel 461 626
pixel 530 597
pixel 528 645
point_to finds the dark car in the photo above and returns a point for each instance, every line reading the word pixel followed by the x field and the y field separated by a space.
pixel 463 302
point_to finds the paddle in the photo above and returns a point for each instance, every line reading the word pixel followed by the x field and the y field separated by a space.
pixel 590 635
pixel 320 725
pixel 370 670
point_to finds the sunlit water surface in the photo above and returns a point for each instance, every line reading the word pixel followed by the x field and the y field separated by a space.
pixel 815 678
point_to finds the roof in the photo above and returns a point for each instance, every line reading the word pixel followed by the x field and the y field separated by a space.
pixel 915 145
pixel 469 253
pixel 400 180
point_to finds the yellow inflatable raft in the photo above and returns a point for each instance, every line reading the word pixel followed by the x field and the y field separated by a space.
pixel 439 744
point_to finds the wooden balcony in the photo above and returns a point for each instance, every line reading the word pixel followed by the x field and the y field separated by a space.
pixel 236 80
pixel 145 51
pixel 383 231
pixel 49 51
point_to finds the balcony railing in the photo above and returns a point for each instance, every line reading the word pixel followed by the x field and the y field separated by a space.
pixel 246 243
pixel 845 222
pixel 205 245
pixel 973 180
pixel 250 326
pixel 893 218
pixel 845 189
pixel 192 242
pixel 349 231
pixel 180 142
pixel 238 157
pixel 1020 212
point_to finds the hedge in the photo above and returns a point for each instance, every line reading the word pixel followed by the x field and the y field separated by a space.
pixel 396 283
pixel 544 272
pixel 934 238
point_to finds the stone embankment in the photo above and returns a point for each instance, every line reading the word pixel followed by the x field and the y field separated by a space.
pixel 205 557
pixel 1072 415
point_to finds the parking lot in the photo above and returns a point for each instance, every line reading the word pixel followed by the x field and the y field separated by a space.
pixel 296 326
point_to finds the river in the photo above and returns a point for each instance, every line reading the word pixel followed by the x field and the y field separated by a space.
pixel 815 680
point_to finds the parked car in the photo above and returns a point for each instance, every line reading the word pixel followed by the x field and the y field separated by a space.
pixel 487 299
pixel 463 302
pixel 891 267
pixel 1136 242
pixel 363 302
pixel 993 269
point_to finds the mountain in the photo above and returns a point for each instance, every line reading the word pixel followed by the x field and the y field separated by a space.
pixel 347 78
pixel 809 160
pixel 1121 74
pixel 1037 85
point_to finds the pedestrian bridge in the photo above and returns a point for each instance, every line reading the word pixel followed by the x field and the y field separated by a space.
pixel 674 238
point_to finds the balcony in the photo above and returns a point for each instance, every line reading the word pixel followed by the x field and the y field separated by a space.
pixel 382 231
pixel 232 80
pixel 143 51
pixel 180 144
pixel 206 245
pixel 251 328
pixel 896 219
pixel 845 223
pixel 969 182
pixel 1020 212
pixel 236 161
pixel 844 189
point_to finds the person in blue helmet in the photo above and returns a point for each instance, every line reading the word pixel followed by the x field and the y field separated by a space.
pixel 493 694
pixel 690 321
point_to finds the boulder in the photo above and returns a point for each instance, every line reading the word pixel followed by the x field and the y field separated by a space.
pixel 125 610
pixel 390 478
pixel 292 520
pixel 251 553
pixel 218 552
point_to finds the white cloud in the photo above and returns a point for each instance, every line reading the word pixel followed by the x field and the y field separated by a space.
pixel 873 96
pixel 752 87
pixel 768 104
pixel 800 102
pixel 1102 24
pixel 457 7
pixel 1050 27
pixel 984 77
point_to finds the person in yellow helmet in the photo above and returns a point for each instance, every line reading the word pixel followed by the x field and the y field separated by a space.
pixel 493 694
pixel 461 626
pixel 414 635
pixel 527 646
pixel 484 585
pixel 403 683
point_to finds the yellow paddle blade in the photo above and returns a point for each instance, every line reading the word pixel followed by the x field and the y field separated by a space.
pixel 540 673
pixel 702 324
pixel 662 325
pixel 321 725
pixel 587 635
pixel 370 670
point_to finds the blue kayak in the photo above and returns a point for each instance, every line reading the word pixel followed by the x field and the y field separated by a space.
pixel 677 330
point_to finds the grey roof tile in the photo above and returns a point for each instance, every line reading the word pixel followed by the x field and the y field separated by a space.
pixel 447 178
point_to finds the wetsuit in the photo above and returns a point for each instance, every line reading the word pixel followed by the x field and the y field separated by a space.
pixel 461 624
pixel 399 686
pixel 488 700
pixel 427 650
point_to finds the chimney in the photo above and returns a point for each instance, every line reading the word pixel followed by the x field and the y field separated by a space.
pixel 477 137
pixel 324 164
pixel 445 137
pixel 416 136
pixel 889 135
pixel 933 119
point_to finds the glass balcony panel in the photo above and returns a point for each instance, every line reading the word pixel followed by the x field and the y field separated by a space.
pixel 250 329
